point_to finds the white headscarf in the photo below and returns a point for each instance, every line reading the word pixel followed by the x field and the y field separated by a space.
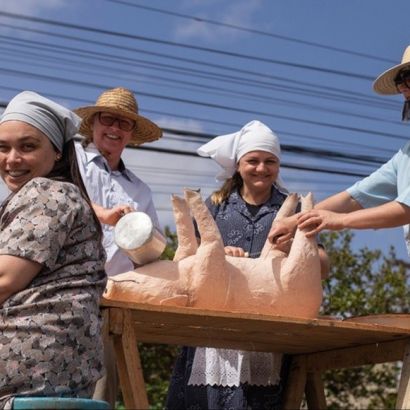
pixel 58 123
pixel 228 149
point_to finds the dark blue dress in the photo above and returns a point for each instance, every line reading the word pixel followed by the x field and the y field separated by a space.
pixel 246 227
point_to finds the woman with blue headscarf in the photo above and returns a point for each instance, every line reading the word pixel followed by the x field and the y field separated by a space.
pixel 51 259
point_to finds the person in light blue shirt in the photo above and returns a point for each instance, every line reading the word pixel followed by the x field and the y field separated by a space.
pixel 108 127
pixel 113 190
pixel 381 200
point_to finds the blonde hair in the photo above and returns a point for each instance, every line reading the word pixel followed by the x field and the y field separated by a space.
pixel 235 182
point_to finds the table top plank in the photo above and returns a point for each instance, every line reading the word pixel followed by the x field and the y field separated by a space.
pixel 198 327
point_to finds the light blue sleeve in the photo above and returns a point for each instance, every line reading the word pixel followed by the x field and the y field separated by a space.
pixel 379 187
pixel 404 176
pixel 391 182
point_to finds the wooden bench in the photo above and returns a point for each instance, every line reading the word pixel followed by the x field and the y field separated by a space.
pixel 316 345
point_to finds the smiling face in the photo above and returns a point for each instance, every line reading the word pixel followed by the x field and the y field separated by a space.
pixel 111 140
pixel 259 170
pixel 25 153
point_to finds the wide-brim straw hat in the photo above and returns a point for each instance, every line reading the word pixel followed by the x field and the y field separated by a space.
pixel 384 83
pixel 120 101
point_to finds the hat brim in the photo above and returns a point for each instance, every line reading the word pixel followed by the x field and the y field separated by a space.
pixel 145 130
pixel 384 83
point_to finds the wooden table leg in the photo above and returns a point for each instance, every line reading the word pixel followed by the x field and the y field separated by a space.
pixel 128 360
pixel 403 396
pixel 315 391
pixel 296 383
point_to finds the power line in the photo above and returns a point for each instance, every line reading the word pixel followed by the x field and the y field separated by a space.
pixel 205 104
pixel 332 171
pixel 60 23
pixel 349 93
pixel 218 106
pixel 253 31
pixel 198 73
pixel 291 148
pixel 283 165
pixel 279 131
pixel 206 88
pixel 205 120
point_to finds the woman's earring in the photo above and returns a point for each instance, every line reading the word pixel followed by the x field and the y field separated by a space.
pixel 58 157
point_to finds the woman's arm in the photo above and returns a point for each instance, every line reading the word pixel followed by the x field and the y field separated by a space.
pixel 15 274
pixel 340 202
pixel 110 216
pixel 389 215
pixel 283 230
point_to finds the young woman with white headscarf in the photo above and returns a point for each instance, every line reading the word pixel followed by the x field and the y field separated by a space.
pixel 243 208
pixel 51 258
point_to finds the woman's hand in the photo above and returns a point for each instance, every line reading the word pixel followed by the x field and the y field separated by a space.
pixel 312 222
pixel 234 251
pixel 110 216
pixel 282 231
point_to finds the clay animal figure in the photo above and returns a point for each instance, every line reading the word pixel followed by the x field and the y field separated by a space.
pixel 202 276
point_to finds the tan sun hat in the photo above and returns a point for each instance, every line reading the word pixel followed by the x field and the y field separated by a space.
pixel 122 102
pixel 384 83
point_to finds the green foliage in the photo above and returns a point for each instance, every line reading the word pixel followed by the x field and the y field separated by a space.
pixel 361 282
pixel 157 363
pixel 172 244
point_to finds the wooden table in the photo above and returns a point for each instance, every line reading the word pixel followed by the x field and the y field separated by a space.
pixel 316 345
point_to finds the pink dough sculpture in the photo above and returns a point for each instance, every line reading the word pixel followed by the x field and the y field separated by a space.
pixel 202 276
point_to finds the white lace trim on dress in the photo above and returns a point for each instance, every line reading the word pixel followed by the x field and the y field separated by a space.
pixel 225 367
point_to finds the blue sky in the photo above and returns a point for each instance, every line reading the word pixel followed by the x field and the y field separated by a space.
pixel 303 67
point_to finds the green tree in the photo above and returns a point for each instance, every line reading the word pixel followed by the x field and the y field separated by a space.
pixel 361 282
pixel 172 244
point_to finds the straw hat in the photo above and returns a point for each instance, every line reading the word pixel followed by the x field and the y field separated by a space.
pixel 384 83
pixel 122 102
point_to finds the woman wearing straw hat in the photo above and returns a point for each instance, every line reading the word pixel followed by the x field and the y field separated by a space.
pixel 108 127
pixel 381 200
pixel 243 208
